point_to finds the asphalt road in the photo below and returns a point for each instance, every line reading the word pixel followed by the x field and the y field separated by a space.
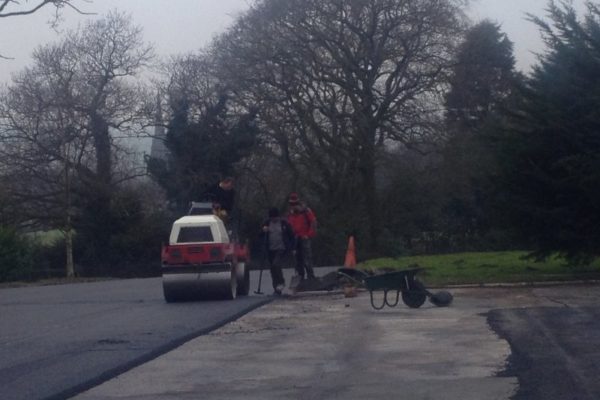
pixel 56 341
pixel 555 351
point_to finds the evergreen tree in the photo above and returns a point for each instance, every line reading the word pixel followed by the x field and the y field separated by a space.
pixel 550 149
pixel 201 151
pixel 482 80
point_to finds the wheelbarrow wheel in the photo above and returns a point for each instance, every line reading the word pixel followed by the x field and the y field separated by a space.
pixel 416 296
pixel 414 299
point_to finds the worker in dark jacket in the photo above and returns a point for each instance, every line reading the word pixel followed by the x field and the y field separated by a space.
pixel 222 196
pixel 278 240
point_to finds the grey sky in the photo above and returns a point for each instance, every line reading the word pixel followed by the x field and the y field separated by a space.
pixel 179 26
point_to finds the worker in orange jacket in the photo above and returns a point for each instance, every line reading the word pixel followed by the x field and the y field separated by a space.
pixel 304 225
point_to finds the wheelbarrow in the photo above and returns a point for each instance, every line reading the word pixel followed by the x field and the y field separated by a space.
pixel 402 283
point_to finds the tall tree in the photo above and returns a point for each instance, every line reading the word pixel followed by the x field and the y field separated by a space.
pixel 206 137
pixel 550 148
pixel 335 80
pixel 58 119
pixel 482 79
pixel 481 84
pixel 110 54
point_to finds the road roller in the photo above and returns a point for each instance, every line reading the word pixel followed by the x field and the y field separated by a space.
pixel 202 263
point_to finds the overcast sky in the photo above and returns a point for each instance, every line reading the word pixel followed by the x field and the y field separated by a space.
pixel 179 26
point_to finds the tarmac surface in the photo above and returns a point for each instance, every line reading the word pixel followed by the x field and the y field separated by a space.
pixel 333 347
pixel 58 340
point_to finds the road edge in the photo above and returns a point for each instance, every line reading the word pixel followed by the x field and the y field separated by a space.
pixel 177 342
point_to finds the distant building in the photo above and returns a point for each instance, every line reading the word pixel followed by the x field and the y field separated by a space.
pixel 159 150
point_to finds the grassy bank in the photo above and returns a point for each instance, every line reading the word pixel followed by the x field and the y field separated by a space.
pixel 476 268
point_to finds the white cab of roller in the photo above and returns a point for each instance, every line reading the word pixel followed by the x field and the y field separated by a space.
pixel 191 223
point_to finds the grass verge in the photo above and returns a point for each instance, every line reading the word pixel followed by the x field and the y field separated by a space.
pixel 492 267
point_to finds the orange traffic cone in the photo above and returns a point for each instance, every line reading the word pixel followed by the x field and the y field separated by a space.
pixel 350 261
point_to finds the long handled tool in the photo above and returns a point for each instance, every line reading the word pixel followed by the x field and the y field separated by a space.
pixel 262 265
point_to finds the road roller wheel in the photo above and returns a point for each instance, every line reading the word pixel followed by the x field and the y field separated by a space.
pixel 232 287
pixel 170 295
pixel 243 284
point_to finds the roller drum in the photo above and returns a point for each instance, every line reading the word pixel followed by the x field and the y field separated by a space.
pixel 200 286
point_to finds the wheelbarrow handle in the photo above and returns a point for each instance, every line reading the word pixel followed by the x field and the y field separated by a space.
pixel 373 302
pixel 344 275
pixel 395 303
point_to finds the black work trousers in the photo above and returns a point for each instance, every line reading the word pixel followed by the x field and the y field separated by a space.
pixel 276 261
pixel 304 258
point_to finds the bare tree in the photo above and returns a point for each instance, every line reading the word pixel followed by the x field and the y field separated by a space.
pixel 338 79
pixel 59 118
pixel 192 79
pixel 43 164
pixel 15 8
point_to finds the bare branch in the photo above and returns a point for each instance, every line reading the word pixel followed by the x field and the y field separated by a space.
pixel 4 13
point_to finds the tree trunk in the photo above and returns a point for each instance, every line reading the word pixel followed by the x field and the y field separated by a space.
pixel 101 136
pixel 69 250
pixel 70 269
pixel 370 197
pixel 366 135
pixel 101 195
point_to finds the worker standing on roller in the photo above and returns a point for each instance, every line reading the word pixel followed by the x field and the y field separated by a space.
pixel 222 196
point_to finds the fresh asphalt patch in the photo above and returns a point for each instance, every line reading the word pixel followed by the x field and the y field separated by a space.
pixel 57 341
pixel 555 351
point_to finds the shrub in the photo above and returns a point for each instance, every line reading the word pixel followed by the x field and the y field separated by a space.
pixel 16 255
